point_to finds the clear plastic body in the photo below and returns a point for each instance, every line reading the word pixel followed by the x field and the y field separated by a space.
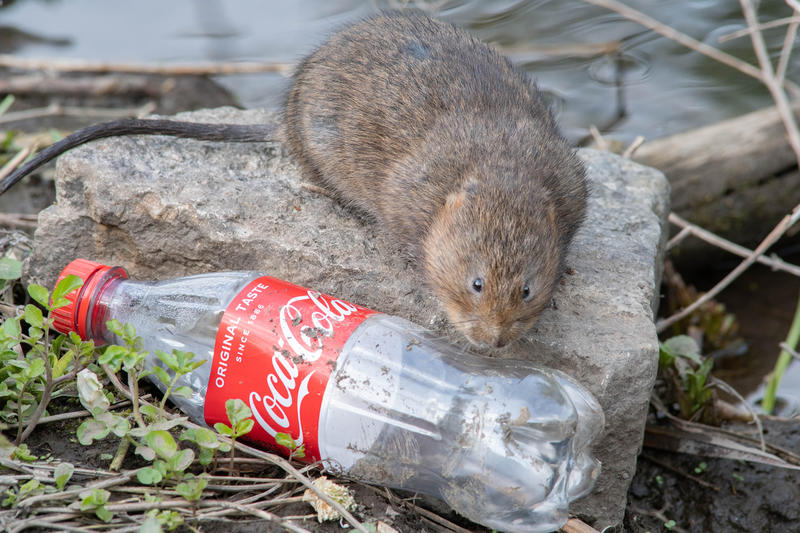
pixel 504 443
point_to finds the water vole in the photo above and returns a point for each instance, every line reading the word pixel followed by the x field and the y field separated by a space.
pixel 447 146
pixel 455 154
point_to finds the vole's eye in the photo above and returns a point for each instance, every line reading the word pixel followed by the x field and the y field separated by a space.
pixel 526 292
pixel 477 284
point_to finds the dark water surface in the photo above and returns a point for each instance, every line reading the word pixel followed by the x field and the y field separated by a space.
pixel 667 88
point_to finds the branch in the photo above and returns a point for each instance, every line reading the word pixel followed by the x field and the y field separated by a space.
pixel 688 228
pixel 770 239
pixel 182 69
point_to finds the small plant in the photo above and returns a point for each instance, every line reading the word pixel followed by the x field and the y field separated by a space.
pixel 207 443
pixel 701 467
pixel 295 451
pixel 33 367
pixel 686 374
pixel 95 500
pixel 192 488
pixel 239 415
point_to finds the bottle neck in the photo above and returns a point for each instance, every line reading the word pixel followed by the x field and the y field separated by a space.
pixel 92 310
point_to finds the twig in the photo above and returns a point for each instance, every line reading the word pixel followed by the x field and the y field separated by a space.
pixel 733 392
pixel 72 414
pixel 786 49
pixel 774 262
pixel 263 515
pixel 682 38
pixel 182 69
pixel 789 350
pixel 770 239
pixel 66 494
pixel 574 525
pixel 765 26
pixel 291 470
pixel 52 522
pixel 637 142
pixel 16 160
pixel 18 220
pixel 769 79
pixel 600 141
pixel 56 109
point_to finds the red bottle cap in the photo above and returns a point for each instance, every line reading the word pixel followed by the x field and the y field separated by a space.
pixel 95 276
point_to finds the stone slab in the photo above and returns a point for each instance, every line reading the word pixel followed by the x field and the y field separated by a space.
pixel 164 207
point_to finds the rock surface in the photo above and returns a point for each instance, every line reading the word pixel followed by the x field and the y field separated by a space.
pixel 163 208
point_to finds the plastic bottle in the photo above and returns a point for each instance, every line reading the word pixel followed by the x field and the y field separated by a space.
pixel 503 442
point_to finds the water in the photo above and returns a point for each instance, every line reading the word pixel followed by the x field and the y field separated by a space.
pixel 665 87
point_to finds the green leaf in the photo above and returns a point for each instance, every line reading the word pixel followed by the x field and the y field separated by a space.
pixel 237 411
pixel 146 452
pixel 11 328
pixel 36 368
pixel 35 333
pixel 23 453
pixel 66 286
pixel 682 346
pixel 162 375
pixel 62 474
pixel 183 392
pixel 104 514
pixel 150 411
pixel 299 452
pixel 162 442
pixel 40 295
pixel 192 489
pixel 181 460
pixel 168 359
pixel 283 439
pixel 149 476
pixel 33 315
pixel 223 429
pixel 26 489
pixel 93 498
pixel 112 354
pixel 60 368
pixel 91 430
pixel 10 268
pixel 243 427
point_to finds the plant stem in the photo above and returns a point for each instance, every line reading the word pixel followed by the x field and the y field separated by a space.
pixel 122 451
pixel 48 389
pixel 166 394
pixel 768 402
pixel 133 385
pixel 19 414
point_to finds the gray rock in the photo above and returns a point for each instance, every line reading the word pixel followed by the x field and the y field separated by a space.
pixel 163 208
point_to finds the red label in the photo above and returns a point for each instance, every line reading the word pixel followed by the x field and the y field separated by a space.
pixel 276 347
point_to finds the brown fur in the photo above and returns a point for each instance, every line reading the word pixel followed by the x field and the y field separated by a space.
pixel 454 153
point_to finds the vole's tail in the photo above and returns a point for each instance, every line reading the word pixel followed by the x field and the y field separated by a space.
pixel 173 128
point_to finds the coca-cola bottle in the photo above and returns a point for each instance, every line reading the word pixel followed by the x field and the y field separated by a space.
pixel 377 398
